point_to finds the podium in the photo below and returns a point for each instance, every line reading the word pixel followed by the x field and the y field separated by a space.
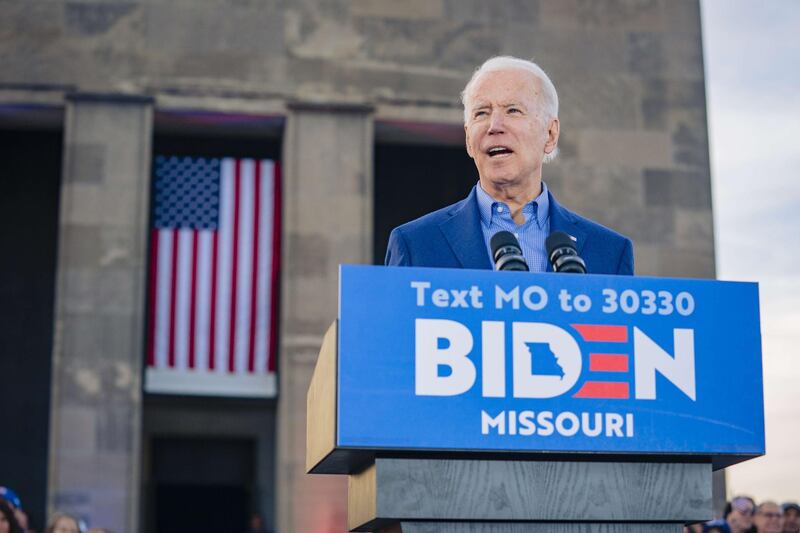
pixel 488 402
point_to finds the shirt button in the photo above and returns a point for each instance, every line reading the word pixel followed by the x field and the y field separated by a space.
pixel 499 208
pixel 516 235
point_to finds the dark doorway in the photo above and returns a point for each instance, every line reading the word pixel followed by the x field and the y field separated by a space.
pixel 412 180
pixel 202 484
pixel 31 174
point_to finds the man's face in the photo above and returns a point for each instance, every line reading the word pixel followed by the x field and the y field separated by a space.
pixel 769 518
pixel 507 134
pixel 791 521
pixel 741 517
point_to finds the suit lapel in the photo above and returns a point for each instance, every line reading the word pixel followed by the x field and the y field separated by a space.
pixel 561 219
pixel 465 236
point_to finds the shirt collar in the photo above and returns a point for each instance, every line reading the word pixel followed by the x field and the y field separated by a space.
pixel 539 206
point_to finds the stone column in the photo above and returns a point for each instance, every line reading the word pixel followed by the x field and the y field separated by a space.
pixel 327 220
pixel 95 424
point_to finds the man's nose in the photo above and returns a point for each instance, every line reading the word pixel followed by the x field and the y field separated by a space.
pixel 496 122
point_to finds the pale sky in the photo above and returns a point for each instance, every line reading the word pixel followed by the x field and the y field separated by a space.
pixel 752 59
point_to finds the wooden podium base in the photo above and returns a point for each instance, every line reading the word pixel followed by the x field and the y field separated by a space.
pixel 494 527
pixel 493 496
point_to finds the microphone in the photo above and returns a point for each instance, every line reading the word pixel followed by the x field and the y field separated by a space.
pixel 506 252
pixel 563 255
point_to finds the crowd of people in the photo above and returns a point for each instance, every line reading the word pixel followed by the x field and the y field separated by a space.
pixel 742 515
pixel 13 518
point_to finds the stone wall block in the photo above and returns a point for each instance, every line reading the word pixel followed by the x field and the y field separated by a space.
pixel 88 162
pixel 625 147
pixel 599 187
pixel 252 28
pixel 645 54
pixel 690 145
pixel 599 101
pixel 523 12
pixel 683 15
pixel 677 188
pixel 651 225
pixel 645 15
pixel 76 423
pixel 683 56
pixel 646 259
pixel 662 98
pixel 683 263
pixel 409 10
pixel 553 47
pixel 671 261
pixel 694 229
pixel 689 137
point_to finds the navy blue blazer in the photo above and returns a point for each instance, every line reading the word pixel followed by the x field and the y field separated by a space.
pixel 452 238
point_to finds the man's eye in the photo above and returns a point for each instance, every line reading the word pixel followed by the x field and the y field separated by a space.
pixel 479 113
pixel 514 110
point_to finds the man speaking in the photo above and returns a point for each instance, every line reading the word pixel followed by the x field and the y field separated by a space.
pixel 512 128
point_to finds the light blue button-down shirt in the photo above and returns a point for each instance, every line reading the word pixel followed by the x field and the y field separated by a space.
pixel 495 216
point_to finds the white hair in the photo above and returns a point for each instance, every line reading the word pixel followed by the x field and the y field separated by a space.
pixel 549 96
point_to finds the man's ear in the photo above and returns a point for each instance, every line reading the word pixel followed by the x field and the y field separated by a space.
pixel 466 140
pixel 553 131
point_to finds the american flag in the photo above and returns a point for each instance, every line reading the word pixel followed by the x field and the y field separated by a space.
pixel 214 256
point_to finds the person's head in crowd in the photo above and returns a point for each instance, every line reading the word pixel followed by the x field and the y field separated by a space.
pixel 8 521
pixel 716 526
pixel 769 518
pixel 98 530
pixel 12 498
pixel 739 514
pixel 64 523
pixel 791 517
pixel 693 528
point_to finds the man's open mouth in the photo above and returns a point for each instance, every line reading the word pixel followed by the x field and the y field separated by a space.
pixel 495 151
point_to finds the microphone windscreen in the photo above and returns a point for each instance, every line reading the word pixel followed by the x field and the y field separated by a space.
pixel 556 240
pixel 501 239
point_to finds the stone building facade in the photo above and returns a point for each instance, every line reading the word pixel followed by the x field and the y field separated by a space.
pixel 329 88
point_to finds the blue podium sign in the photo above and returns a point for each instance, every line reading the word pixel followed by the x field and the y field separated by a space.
pixel 480 361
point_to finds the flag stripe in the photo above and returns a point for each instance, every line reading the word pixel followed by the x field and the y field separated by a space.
pixel 264 268
pixel 276 233
pixel 245 264
pixel 254 289
pixel 193 303
pixel 183 305
pixel 234 265
pixel 151 298
pixel 162 296
pixel 203 302
pixel 212 322
pixel 227 193
pixel 173 296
